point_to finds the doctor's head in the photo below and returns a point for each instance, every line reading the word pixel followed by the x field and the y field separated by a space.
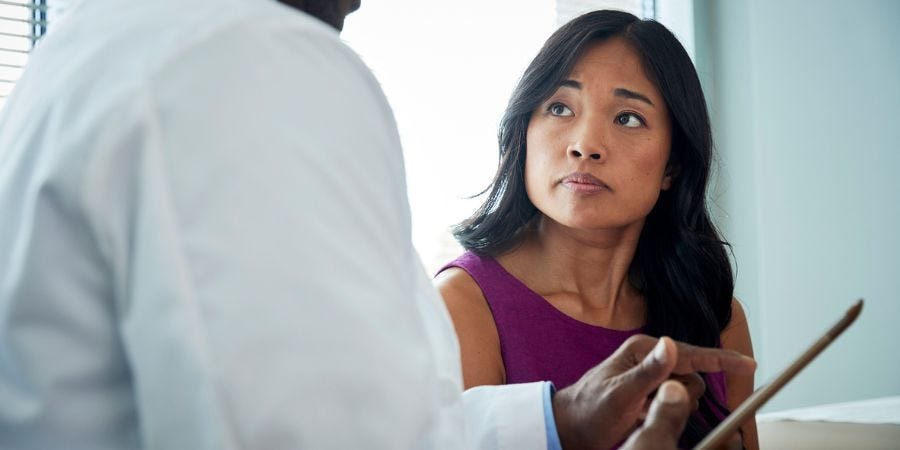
pixel 331 12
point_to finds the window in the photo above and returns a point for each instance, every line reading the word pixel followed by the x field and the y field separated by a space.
pixel 567 10
pixel 22 23
pixel 448 69
pixel 676 15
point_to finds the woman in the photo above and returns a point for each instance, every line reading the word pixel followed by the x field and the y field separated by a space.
pixel 595 226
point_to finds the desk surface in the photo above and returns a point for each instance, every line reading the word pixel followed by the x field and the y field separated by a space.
pixel 828 436
pixel 861 425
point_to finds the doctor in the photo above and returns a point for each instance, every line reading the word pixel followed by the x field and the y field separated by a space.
pixel 205 244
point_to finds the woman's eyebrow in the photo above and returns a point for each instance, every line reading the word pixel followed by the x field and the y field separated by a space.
pixel 570 84
pixel 619 92
pixel 625 93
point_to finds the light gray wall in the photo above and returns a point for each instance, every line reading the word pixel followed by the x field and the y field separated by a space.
pixel 805 99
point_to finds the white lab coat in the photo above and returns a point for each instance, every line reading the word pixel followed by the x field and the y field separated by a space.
pixel 205 244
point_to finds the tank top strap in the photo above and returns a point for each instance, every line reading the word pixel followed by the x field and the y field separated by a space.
pixel 497 285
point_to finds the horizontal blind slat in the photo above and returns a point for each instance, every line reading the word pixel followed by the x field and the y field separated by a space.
pixel 17 35
pixel 24 5
pixel 42 23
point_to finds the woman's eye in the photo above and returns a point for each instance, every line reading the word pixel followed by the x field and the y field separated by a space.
pixel 629 120
pixel 558 109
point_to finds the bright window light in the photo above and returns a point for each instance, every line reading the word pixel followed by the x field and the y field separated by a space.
pixel 448 69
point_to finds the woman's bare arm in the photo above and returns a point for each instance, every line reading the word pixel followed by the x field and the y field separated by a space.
pixel 479 342
pixel 736 336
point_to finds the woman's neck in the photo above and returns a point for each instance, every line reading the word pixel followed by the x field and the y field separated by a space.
pixel 582 273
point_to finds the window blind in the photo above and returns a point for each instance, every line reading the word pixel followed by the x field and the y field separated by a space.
pixel 22 23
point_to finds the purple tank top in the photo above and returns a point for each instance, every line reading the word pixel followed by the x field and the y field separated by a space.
pixel 537 341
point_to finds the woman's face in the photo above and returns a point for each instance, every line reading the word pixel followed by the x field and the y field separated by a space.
pixel 597 149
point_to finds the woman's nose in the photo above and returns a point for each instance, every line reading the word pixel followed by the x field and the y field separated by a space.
pixel 578 153
pixel 588 142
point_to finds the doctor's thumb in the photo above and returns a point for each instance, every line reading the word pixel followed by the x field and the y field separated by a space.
pixel 665 421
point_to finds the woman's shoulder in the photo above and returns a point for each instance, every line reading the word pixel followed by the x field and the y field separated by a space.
pixel 469 272
pixel 469 261
pixel 736 335
pixel 738 316
pixel 455 281
pixel 485 280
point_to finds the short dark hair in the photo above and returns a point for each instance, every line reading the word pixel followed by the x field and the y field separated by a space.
pixel 331 12
pixel 681 265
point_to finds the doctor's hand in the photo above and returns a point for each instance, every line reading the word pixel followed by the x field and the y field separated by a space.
pixel 607 403
pixel 665 421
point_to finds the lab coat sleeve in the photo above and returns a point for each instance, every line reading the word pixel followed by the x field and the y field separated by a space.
pixel 506 417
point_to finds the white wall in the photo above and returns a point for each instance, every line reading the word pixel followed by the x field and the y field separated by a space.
pixel 805 98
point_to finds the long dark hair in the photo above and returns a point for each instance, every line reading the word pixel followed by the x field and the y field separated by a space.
pixel 681 266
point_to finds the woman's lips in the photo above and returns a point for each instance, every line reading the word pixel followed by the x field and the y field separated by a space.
pixel 584 183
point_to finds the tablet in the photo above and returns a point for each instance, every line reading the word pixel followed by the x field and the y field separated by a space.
pixel 719 435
